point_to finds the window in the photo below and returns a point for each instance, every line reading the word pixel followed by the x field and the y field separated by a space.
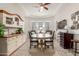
pixel 40 25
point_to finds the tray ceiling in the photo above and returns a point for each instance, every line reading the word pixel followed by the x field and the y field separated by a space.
pixel 32 11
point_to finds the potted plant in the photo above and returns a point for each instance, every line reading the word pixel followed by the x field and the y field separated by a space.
pixel 19 31
pixel 2 30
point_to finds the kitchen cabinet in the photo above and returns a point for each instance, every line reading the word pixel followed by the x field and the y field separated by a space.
pixel 65 40
pixel 10 20
pixel 9 44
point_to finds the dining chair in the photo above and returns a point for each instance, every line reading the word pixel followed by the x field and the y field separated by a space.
pixel 49 42
pixel 33 42
pixel 49 31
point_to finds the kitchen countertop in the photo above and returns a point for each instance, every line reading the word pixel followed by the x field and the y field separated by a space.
pixel 75 41
pixel 73 32
pixel 11 35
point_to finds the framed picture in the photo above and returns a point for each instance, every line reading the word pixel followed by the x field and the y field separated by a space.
pixel 62 24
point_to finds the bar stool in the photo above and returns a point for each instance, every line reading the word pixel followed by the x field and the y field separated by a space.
pixel 75 46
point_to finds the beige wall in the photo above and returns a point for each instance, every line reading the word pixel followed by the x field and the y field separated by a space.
pixel 28 23
pixel 13 8
pixel 65 12
pixel 30 20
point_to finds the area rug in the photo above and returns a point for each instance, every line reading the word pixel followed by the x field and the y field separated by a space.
pixel 38 52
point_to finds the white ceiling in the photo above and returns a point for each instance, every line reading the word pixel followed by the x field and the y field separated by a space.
pixel 32 11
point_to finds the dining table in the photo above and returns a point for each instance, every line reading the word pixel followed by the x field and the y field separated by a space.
pixel 41 37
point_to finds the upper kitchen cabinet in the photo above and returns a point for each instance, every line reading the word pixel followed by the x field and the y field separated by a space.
pixel 10 20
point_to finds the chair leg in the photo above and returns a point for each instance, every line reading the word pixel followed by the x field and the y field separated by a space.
pixel 47 46
pixel 52 45
pixel 30 45
pixel 75 49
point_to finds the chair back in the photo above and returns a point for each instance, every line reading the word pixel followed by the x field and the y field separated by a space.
pixel 30 33
pixel 49 31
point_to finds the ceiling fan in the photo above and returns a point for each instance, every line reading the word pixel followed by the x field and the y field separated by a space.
pixel 43 6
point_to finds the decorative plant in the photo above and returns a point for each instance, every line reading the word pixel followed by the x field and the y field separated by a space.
pixel 2 30
pixel 19 31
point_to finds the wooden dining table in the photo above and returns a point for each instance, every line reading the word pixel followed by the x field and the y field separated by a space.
pixel 41 40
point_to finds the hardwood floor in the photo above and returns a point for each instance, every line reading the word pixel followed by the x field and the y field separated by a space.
pixel 59 51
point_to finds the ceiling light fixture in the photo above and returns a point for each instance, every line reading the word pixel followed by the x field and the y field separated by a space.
pixel 43 6
pixel 41 9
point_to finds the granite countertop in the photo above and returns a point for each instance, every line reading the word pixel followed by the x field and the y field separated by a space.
pixel 73 31
pixel 75 41
pixel 11 35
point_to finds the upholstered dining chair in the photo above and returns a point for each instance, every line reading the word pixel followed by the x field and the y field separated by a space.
pixel 33 42
pixel 49 31
pixel 49 42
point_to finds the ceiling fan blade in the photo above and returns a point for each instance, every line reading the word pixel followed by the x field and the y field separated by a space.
pixel 46 3
pixel 46 8
pixel 41 4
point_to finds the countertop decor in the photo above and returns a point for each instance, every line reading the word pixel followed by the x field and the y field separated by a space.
pixel 2 30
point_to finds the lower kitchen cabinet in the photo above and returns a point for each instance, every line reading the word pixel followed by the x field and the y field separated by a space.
pixel 9 44
pixel 65 40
